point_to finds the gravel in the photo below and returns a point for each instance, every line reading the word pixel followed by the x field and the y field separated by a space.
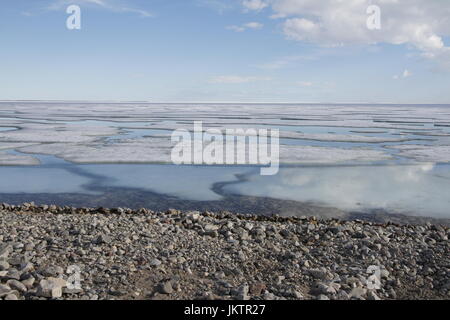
pixel 51 252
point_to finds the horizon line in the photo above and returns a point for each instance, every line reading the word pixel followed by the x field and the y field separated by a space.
pixel 213 102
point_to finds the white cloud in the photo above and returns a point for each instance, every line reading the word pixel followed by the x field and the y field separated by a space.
pixel 254 25
pixel 112 5
pixel 405 74
pixel 422 24
pixel 249 25
pixel 235 28
pixel 301 29
pixel 254 5
pixel 237 79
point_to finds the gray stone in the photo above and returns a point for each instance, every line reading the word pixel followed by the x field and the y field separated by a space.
pixel 358 293
pixel 16 285
pixel 269 296
pixel 321 288
pixel 4 289
pixel 103 239
pixel 155 263
pixel 372 296
pixel 242 293
pixel 5 250
pixel 318 274
pixel 165 287
pixel 11 297
pixel 210 227
pixel 29 282
pixel 52 271
pixel 342 295
pixel 4 265
pixel 13 274
pixel 26 267
pixel 51 287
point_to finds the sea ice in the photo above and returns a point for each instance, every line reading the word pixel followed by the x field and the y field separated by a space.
pixel 425 153
pixel 158 150
pixel 311 155
pixel 13 145
pixel 55 133
pixel 7 159
pixel 124 151
pixel 79 131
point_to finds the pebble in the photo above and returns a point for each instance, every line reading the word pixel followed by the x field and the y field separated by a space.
pixel 4 265
pixel 165 287
pixel 11 297
pixel 358 293
pixel 155 263
pixel 16 285
pixel 51 287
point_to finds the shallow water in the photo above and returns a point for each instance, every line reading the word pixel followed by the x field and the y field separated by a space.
pixel 41 180
pixel 408 189
pixel 185 182
pixel 7 128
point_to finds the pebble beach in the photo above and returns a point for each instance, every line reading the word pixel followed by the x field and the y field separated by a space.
pixel 51 252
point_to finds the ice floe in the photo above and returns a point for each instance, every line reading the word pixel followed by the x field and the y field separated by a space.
pixel 7 159
pixel 311 155
pixel 432 153
pixel 13 145
pixel 158 150
pixel 55 133
pixel 339 137
pixel 126 151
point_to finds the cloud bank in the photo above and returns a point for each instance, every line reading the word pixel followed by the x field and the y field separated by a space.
pixel 420 24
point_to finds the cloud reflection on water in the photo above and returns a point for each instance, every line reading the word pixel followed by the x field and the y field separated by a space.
pixel 413 189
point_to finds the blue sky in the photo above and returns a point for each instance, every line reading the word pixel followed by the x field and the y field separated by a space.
pixel 222 51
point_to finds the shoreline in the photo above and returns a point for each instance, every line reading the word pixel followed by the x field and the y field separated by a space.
pixel 141 254
pixel 238 204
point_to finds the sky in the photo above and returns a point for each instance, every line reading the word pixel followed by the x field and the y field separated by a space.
pixel 300 51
